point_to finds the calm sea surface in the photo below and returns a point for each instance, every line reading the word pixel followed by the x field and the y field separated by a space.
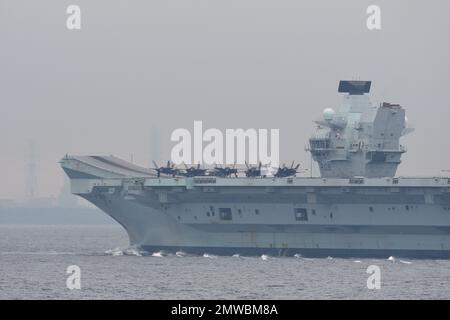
pixel 34 261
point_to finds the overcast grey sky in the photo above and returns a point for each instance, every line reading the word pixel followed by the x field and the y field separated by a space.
pixel 137 65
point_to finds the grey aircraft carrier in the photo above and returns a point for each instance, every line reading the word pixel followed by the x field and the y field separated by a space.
pixel 357 207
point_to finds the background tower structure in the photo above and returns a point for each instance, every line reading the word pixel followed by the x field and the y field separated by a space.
pixel 31 187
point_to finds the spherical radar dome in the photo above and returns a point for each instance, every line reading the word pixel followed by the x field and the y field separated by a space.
pixel 328 114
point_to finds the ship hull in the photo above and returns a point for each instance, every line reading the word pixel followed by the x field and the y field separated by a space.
pixel 349 230
pixel 363 217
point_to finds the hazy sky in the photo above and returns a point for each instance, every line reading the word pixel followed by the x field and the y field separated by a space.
pixel 140 65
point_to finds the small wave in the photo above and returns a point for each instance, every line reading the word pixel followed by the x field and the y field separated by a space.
pixel 210 256
pixel 264 257
pixel 114 252
pixel 405 262
pixel 236 255
pixel 298 256
pixel 330 258
pixel 181 254
pixel 158 254
pixel 131 251
pixel 357 261
pixel 391 258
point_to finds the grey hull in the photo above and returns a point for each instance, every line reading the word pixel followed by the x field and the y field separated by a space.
pixel 422 232
pixel 356 208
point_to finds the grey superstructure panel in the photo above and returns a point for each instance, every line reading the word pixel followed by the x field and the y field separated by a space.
pixel 359 139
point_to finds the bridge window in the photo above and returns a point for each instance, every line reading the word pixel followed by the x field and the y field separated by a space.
pixel 225 214
pixel 320 143
pixel 301 214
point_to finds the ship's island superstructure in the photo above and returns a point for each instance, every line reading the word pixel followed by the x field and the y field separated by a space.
pixel 356 208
